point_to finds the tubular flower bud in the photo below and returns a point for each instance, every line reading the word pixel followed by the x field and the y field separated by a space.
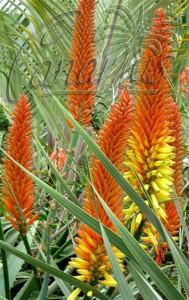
pixel 81 81
pixel 92 261
pixel 18 189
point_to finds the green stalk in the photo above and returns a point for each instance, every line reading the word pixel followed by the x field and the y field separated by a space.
pixel 46 242
pixel 28 249
pixel 5 266
pixel 73 144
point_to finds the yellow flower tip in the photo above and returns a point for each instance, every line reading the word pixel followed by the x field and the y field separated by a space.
pixel 152 237
pixel 165 148
pixel 90 294
pixel 162 213
pixel 164 183
pixel 138 219
pixel 74 294
pixel 81 277
pixel 155 187
pixel 165 156
pixel 118 253
pixel 159 163
pixel 133 225
pixel 78 263
pixel 102 268
pixel 146 187
pixel 84 272
pixel 127 199
pixel 108 281
pixel 154 202
pixel 144 247
pixel 93 258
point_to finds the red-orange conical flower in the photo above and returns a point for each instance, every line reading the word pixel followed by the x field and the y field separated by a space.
pixel 92 261
pixel 81 78
pixel 18 187
pixel 152 146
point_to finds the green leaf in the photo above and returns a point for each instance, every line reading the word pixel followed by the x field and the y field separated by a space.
pixel 85 287
pixel 15 264
pixel 143 259
pixel 123 286
pixel 145 288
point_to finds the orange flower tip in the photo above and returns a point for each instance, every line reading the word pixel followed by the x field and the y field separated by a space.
pixel 160 12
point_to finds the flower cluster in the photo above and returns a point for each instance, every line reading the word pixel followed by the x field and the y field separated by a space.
pixel 153 156
pixel 92 262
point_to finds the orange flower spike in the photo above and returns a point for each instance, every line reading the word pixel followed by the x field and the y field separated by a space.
pixel 81 78
pixel 18 189
pixel 92 261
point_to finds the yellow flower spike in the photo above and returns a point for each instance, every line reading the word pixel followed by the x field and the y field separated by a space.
pixel 155 135
pixel 74 294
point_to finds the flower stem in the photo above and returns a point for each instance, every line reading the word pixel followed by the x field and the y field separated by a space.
pixel 5 266
pixel 28 249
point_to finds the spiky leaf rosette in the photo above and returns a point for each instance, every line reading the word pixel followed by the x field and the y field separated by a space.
pixel 81 84
pixel 151 146
pixel 92 262
pixel 18 188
